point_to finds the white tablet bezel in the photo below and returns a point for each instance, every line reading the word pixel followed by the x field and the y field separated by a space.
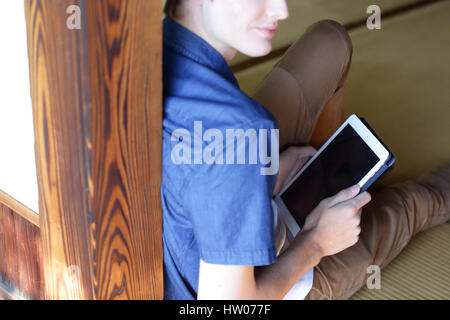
pixel 373 143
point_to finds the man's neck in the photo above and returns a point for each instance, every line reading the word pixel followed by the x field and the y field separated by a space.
pixel 191 22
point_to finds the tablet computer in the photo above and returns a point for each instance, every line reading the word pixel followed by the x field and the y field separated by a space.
pixel 354 154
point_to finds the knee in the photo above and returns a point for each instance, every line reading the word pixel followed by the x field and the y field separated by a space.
pixel 336 38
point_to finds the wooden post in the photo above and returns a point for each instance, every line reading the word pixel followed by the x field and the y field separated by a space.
pixel 97 108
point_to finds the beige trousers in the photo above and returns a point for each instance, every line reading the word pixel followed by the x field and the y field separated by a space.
pixel 305 93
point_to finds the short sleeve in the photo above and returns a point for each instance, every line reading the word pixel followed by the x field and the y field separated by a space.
pixel 229 203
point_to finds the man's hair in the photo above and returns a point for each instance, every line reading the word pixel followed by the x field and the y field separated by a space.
pixel 170 7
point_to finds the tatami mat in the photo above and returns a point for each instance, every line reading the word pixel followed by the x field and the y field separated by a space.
pixel 399 81
pixel 421 271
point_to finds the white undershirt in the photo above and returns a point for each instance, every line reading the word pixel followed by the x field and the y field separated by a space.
pixel 302 287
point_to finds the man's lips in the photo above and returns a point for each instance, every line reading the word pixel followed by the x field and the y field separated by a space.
pixel 268 32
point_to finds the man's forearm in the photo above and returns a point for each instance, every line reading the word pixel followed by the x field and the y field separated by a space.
pixel 275 280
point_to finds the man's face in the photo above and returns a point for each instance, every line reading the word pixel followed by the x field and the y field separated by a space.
pixel 247 26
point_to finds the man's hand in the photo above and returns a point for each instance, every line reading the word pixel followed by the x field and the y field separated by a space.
pixel 291 161
pixel 334 224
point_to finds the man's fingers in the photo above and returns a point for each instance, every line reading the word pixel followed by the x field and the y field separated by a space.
pixel 357 202
pixel 343 195
pixel 301 152
pixel 362 199
pixel 302 156
pixel 307 151
pixel 358 214
pixel 291 161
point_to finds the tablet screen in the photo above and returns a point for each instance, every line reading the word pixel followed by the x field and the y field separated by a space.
pixel 343 163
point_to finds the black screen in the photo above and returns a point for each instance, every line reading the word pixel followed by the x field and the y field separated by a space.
pixel 343 163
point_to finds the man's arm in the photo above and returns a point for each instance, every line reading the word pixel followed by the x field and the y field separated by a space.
pixel 246 282
pixel 269 282
pixel 330 228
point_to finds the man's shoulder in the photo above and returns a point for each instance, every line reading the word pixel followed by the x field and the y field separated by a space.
pixel 218 109
pixel 196 91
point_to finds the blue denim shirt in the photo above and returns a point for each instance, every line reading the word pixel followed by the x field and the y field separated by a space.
pixel 220 213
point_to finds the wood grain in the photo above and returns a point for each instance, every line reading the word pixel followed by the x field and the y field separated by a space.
pixel 5 295
pixel 97 107
pixel 21 272
pixel 19 208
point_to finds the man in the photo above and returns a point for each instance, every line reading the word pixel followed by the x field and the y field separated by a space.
pixel 218 231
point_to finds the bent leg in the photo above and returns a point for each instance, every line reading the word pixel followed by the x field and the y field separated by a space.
pixel 304 91
pixel 388 222
pixel 332 115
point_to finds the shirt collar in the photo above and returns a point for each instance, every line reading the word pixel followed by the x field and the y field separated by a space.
pixel 187 43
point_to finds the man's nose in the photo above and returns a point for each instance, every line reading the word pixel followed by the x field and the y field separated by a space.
pixel 278 9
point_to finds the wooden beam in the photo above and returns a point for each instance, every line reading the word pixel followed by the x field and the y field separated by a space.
pixel 19 208
pixel 21 272
pixel 97 108
pixel 6 295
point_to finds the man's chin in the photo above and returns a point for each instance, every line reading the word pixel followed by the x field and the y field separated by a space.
pixel 258 51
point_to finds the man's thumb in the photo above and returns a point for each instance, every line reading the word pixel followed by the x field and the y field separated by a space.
pixel 343 195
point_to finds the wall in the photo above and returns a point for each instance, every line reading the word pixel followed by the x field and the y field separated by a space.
pixel 17 159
